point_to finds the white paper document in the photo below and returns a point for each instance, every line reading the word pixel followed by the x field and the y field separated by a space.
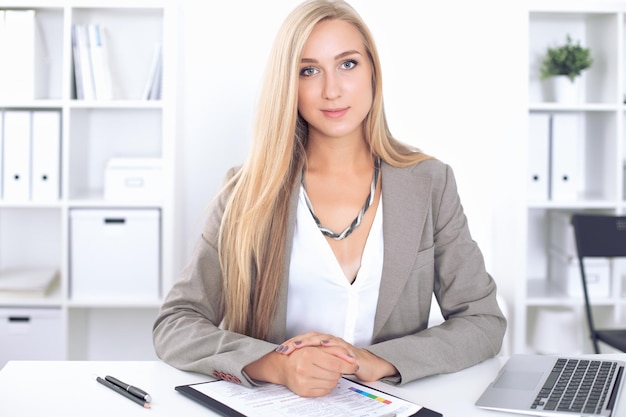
pixel 348 399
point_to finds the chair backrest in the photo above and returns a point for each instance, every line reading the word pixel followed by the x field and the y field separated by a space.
pixel 600 235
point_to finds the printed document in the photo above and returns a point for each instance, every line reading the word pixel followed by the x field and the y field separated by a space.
pixel 348 399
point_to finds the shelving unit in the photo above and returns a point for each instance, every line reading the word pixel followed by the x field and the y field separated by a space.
pixel 600 138
pixel 39 233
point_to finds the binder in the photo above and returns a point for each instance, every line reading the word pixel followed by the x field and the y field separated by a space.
pixel 538 157
pixel 84 55
pixel 46 152
pixel 3 53
pixel 23 75
pixel 566 174
pixel 16 179
pixel 100 63
pixel 152 87
pixel 1 152
pixel 76 58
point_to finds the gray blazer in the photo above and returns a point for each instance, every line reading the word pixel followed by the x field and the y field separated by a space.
pixel 428 249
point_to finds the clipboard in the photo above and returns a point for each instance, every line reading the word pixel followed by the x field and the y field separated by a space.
pixel 232 400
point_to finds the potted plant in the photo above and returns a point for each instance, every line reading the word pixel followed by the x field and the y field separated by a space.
pixel 563 65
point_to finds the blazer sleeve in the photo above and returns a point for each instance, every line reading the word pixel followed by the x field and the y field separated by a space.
pixel 186 333
pixel 474 325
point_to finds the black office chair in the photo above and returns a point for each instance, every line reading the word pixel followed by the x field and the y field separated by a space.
pixel 600 236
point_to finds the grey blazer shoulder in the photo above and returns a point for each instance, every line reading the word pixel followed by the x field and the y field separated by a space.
pixel 428 250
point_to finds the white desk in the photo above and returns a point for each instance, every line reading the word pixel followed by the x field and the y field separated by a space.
pixel 68 389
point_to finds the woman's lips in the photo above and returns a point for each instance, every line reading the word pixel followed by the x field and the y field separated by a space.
pixel 335 113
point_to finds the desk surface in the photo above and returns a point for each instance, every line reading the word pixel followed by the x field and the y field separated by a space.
pixel 59 388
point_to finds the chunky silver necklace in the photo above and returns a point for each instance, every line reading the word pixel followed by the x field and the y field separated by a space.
pixel 357 221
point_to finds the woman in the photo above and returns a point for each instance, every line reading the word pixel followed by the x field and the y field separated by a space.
pixel 331 238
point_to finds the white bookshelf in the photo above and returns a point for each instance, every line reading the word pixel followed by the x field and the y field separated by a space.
pixel 93 131
pixel 600 116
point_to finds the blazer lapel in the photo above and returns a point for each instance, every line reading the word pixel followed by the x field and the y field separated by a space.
pixel 406 198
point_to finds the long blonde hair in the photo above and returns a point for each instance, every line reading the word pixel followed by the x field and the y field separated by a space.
pixel 252 235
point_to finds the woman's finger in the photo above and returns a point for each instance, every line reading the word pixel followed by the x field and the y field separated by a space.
pixel 304 340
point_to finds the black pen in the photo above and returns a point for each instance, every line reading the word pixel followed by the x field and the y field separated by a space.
pixel 137 392
pixel 122 392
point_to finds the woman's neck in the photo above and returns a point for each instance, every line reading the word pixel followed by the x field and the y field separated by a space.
pixel 329 156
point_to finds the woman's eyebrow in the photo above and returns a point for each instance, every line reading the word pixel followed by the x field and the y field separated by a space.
pixel 341 55
pixel 350 52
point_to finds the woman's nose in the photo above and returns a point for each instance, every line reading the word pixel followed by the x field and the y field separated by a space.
pixel 332 87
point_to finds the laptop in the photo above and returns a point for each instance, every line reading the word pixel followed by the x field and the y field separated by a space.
pixel 556 386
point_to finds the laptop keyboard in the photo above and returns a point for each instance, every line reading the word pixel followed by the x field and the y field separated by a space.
pixel 577 386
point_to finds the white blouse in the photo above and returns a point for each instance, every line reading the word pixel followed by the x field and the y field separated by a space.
pixel 320 298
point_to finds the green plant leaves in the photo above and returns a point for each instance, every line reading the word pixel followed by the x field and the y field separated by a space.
pixel 569 59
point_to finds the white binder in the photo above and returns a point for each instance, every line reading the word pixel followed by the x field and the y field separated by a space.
pixel 566 170
pixel 538 156
pixel 22 50
pixel 82 40
pixel 3 53
pixel 100 63
pixel 46 151
pixel 16 155
pixel 1 153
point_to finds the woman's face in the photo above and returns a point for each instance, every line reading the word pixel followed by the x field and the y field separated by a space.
pixel 335 89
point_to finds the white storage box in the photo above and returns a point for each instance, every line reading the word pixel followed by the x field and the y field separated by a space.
pixel 31 334
pixel 133 179
pixel 115 254
pixel 565 274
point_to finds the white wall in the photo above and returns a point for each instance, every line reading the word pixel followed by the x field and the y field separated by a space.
pixel 455 86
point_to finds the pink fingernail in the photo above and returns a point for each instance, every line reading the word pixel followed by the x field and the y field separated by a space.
pixel 297 342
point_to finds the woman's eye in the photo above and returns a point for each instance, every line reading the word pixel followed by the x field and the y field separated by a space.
pixel 349 64
pixel 308 71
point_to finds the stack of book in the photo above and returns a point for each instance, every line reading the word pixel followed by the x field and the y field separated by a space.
pixel 92 73
pixel 28 282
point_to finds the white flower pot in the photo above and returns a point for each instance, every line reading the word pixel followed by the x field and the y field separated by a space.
pixel 563 90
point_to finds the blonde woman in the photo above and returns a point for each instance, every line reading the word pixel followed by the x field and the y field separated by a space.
pixel 321 254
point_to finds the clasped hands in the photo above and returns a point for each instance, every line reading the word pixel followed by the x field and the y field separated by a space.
pixel 311 364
